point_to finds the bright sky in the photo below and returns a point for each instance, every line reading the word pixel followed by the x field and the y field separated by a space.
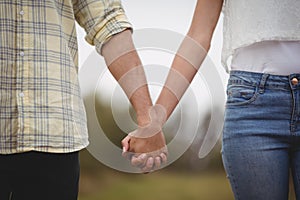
pixel 167 14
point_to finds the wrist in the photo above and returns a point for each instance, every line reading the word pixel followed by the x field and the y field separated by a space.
pixel 155 114
pixel 143 119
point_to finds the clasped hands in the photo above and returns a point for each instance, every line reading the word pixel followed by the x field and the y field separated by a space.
pixel 146 146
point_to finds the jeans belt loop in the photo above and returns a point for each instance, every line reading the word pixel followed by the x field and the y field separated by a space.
pixel 262 83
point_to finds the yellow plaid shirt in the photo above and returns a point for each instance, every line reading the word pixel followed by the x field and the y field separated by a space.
pixel 40 104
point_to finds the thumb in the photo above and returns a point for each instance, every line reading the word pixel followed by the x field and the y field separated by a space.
pixel 125 143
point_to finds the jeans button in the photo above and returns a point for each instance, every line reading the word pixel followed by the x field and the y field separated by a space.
pixel 295 81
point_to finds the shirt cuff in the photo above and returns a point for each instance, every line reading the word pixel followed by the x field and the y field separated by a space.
pixel 114 23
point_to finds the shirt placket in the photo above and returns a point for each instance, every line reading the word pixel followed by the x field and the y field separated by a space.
pixel 22 70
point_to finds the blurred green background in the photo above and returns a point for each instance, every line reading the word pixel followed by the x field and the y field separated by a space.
pixel 175 182
pixel 189 178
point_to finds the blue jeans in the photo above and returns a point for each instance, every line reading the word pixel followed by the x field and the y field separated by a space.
pixel 261 138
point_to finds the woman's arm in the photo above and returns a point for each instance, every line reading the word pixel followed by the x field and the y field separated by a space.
pixel 191 53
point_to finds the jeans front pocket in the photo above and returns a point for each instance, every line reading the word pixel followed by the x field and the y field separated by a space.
pixel 240 94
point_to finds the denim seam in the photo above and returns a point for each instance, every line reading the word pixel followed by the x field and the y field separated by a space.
pixel 233 183
pixel 293 120
pixel 229 174
pixel 262 83
pixel 242 82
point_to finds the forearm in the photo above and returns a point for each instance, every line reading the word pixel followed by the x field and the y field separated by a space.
pixel 184 67
pixel 191 53
pixel 126 67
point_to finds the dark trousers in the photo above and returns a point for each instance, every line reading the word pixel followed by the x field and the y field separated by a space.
pixel 37 175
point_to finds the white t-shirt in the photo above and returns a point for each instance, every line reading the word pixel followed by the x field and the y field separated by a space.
pixel 247 22
pixel 272 57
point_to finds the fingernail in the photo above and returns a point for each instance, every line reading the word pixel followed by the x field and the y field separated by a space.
pixel 124 149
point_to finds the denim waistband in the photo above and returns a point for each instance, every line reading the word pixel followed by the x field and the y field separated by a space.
pixel 265 80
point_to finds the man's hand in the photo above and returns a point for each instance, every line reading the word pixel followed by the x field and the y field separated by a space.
pixel 146 147
pixel 148 154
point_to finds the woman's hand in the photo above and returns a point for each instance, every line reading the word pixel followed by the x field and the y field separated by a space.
pixel 146 146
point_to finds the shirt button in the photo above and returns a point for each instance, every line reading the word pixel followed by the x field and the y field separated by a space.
pixel 22 12
pixel 22 53
pixel 21 94
pixel 295 81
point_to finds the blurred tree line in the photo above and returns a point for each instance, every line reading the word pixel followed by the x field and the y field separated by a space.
pixel 188 162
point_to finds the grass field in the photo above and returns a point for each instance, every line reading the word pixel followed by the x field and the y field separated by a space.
pixel 159 185
pixel 98 183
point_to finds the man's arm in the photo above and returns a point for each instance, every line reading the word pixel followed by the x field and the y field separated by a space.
pixel 107 28
pixel 188 59
pixel 126 67
pixel 124 64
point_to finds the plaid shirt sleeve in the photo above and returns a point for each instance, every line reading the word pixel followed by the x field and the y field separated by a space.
pixel 100 19
pixel 41 108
